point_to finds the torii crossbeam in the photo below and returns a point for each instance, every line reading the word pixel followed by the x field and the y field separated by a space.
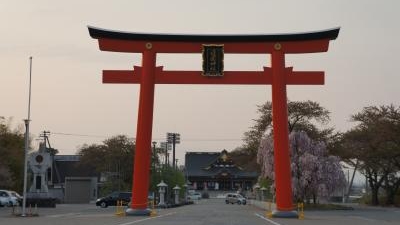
pixel 277 45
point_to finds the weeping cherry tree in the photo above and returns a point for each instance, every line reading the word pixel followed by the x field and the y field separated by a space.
pixel 315 173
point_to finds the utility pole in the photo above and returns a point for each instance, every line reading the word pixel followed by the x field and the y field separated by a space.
pixel 173 138
pixel 45 136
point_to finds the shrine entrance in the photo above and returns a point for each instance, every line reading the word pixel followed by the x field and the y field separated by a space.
pixel 213 48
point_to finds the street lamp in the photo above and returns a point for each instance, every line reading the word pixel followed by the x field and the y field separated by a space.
pixel 27 139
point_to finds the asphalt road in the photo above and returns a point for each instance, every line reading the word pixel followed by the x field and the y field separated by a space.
pixel 206 211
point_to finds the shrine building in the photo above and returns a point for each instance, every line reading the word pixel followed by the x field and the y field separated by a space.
pixel 216 171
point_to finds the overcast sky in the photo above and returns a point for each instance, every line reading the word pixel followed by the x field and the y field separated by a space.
pixel 68 96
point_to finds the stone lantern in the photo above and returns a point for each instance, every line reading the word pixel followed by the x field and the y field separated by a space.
pixel 263 190
pixel 186 187
pixel 176 192
pixel 162 187
pixel 256 190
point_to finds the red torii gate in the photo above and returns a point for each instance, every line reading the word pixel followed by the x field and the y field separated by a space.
pixel 277 45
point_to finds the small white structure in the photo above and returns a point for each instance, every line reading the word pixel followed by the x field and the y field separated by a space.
pixel 39 162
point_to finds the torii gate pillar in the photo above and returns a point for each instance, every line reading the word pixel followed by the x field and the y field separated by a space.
pixel 277 45
pixel 143 136
pixel 281 136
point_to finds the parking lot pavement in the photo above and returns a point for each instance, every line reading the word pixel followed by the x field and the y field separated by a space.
pixel 206 211
pixel 67 214
pixel 360 215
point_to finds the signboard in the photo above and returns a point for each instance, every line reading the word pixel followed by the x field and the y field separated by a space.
pixel 173 138
pixel 213 60
pixel 165 145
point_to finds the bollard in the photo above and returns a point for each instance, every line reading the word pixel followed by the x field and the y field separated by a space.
pixel 35 211
pixel 269 212
pixel 300 210
pixel 153 211
pixel 30 210
pixel 120 209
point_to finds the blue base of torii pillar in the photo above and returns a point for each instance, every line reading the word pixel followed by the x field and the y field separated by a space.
pixel 284 214
pixel 137 212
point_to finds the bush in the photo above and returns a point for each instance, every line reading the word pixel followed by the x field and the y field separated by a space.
pixel 397 200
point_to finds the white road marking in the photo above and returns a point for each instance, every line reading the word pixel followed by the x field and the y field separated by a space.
pixel 149 218
pixel 363 218
pixel 65 214
pixel 262 217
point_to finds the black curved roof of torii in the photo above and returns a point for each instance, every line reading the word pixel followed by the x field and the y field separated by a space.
pixel 97 33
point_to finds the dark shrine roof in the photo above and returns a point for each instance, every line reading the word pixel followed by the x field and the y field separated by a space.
pixel 97 33
pixel 214 164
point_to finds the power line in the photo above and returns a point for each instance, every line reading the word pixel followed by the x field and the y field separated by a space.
pixel 156 139
pixel 212 139
pixel 79 135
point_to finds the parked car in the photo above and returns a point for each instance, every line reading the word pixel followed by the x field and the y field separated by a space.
pixel 113 198
pixel 9 198
pixel 16 198
pixel 235 198
pixel 194 196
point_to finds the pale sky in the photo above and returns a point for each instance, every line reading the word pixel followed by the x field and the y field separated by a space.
pixel 68 95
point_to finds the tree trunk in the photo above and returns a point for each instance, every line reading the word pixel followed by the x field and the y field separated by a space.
pixel 351 181
pixel 375 182
pixel 374 196
pixel 391 191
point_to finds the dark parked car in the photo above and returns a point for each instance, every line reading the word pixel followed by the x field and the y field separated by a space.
pixel 113 198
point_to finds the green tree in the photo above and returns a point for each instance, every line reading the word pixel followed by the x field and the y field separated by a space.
pixel 172 177
pixel 12 156
pixel 373 145
pixel 113 158
pixel 166 173
pixel 302 116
